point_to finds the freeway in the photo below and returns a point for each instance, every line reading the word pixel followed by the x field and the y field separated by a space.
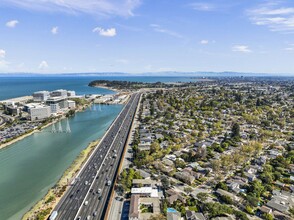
pixel 89 195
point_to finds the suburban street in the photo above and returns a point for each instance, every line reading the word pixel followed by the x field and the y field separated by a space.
pixel 89 195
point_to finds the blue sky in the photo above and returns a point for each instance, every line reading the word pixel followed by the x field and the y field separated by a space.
pixel 136 36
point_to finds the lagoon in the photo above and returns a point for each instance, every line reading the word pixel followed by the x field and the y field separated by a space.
pixel 30 167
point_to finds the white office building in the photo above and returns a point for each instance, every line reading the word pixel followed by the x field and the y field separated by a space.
pixel 41 96
pixel 55 108
pixel 71 93
pixel 59 93
pixel 38 111
pixel 71 104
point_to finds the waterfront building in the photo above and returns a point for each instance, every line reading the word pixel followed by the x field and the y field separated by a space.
pixel 71 104
pixel 41 96
pixel 59 93
pixel 71 93
pixel 38 111
pixel 11 109
pixel 60 101
pixel 55 108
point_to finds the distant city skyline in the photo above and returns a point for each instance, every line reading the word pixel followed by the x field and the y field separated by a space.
pixel 138 36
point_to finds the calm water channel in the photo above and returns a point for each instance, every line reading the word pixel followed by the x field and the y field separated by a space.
pixel 31 166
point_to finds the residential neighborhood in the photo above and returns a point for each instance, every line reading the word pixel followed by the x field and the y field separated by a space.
pixel 217 150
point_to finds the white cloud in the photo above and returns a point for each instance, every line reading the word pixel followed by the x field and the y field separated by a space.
pixel 290 47
pixel 12 23
pixel 123 8
pixel 54 30
pixel 122 61
pixel 43 65
pixel 2 54
pixel 3 64
pixel 274 16
pixel 204 42
pixel 111 32
pixel 159 29
pixel 241 48
pixel 203 6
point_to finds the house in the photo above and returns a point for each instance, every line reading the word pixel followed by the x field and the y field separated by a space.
pixel 193 165
pixel 274 153
pixel 172 196
pixel 203 144
pixel 144 146
pixel 251 177
pixel 235 187
pixel 226 193
pixel 163 168
pixel 261 160
pixel 281 201
pixel 281 216
pixel 144 174
pixel 173 214
pixel 159 136
pixel 192 215
pixel 185 177
pixel 280 184
pixel 265 209
pixel 171 157
pixel 168 162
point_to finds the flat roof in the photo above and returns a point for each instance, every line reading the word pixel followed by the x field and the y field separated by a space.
pixel 144 181
pixel 58 98
pixel 145 190
pixel 36 105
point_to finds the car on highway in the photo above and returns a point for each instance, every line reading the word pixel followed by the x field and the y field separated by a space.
pixel 86 203
pixel 99 191
pixel 108 183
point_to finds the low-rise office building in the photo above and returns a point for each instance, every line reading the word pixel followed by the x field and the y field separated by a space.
pixel 57 103
pixel 59 93
pixel 38 111
pixel 41 96
pixel 71 93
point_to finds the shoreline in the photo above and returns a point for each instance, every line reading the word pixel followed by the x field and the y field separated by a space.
pixel 21 137
pixel 108 88
pixel 46 204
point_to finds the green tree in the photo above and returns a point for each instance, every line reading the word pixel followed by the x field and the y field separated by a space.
pixel 236 131
pixel 267 216
pixel 202 196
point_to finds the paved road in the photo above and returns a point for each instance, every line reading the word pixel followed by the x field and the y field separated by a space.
pixel 88 197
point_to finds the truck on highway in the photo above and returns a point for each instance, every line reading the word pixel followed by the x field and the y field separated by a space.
pixel 53 215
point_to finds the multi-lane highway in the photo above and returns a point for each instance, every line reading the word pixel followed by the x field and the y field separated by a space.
pixel 89 195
